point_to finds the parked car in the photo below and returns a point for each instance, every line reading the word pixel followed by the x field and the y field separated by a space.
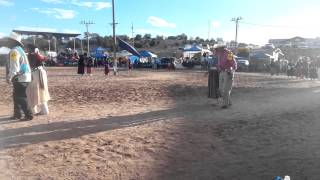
pixel 165 61
pixel 243 64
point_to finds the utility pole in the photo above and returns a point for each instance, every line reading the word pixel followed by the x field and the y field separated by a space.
pixel 209 30
pixel 115 66
pixel 81 45
pixel 55 44
pixel 236 20
pixel 87 23
pixel 132 34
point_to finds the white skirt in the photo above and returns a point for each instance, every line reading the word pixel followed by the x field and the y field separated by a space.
pixel 37 93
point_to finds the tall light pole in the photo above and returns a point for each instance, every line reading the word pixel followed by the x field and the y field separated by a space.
pixel 132 34
pixel 55 44
pixel 115 68
pixel 87 23
pixel 209 29
pixel 236 20
pixel 81 45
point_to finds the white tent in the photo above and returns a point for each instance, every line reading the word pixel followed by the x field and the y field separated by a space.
pixel 4 50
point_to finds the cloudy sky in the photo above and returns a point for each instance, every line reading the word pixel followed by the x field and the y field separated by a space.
pixel 262 20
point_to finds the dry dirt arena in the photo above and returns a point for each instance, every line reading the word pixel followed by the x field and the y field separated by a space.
pixel 160 125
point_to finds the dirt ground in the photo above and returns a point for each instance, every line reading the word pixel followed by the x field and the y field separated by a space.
pixel 160 125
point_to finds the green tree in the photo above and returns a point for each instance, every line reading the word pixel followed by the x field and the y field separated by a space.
pixel 138 37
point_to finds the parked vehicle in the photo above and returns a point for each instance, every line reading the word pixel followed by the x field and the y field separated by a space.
pixel 165 61
pixel 243 64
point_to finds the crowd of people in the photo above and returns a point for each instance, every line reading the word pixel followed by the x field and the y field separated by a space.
pixel 304 68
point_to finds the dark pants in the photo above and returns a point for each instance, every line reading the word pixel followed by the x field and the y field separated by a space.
pixel 20 100
pixel 213 84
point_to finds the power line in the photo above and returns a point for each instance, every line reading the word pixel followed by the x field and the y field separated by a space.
pixel 267 25
pixel 115 66
pixel 87 23
pixel 132 32
pixel 236 20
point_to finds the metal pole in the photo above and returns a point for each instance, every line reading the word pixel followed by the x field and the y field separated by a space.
pixel 237 25
pixel 81 46
pixel 88 39
pixel 49 41
pixel 74 44
pixel 209 29
pixel 236 20
pixel 49 48
pixel 132 35
pixel 115 69
pixel 87 27
pixel 55 44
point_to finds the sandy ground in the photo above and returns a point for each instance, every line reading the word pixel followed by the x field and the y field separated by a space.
pixel 160 125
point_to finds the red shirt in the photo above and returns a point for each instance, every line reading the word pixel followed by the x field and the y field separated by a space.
pixel 226 60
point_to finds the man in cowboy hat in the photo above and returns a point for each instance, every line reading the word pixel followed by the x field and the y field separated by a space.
pixel 227 67
pixel 19 74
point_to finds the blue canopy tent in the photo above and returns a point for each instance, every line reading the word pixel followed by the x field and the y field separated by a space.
pixel 134 59
pixel 99 53
pixel 148 54
pixel 190 52
pixel 194 48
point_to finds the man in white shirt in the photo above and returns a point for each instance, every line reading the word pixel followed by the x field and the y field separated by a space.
pixel 19 74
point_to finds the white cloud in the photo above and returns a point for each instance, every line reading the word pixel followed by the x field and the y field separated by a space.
pixel 53 1
pixel 57 13
pixel 158 22
pixel 215 24
pixel 89 4
pixel 1 35
pixel 38 29
pixel 6 3
pixel 103 5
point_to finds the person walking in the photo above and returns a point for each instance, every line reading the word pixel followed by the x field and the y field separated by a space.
pixel 227 67
pixel 19 74
pixel 37 91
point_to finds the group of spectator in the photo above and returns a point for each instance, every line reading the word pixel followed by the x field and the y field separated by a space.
pixel 85 62
pixel 304 68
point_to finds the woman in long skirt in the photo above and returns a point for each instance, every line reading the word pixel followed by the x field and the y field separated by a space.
pixel 89 65
pixel 81 65
pixel 106 68
pixel 37 91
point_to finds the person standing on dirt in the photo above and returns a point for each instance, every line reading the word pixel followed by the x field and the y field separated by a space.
pixel 89 63
pixel 227 66
pixel 81 63
pixel 37 91
pixel 213 79
pixel 106 68
pixel 19 74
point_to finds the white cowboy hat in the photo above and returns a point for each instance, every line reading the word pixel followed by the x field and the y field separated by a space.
pixel 16 37
pixel 219 45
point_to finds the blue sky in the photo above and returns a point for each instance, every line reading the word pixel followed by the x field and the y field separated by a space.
pixel 262 19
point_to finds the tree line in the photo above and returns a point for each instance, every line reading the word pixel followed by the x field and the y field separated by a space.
pixel 145 41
